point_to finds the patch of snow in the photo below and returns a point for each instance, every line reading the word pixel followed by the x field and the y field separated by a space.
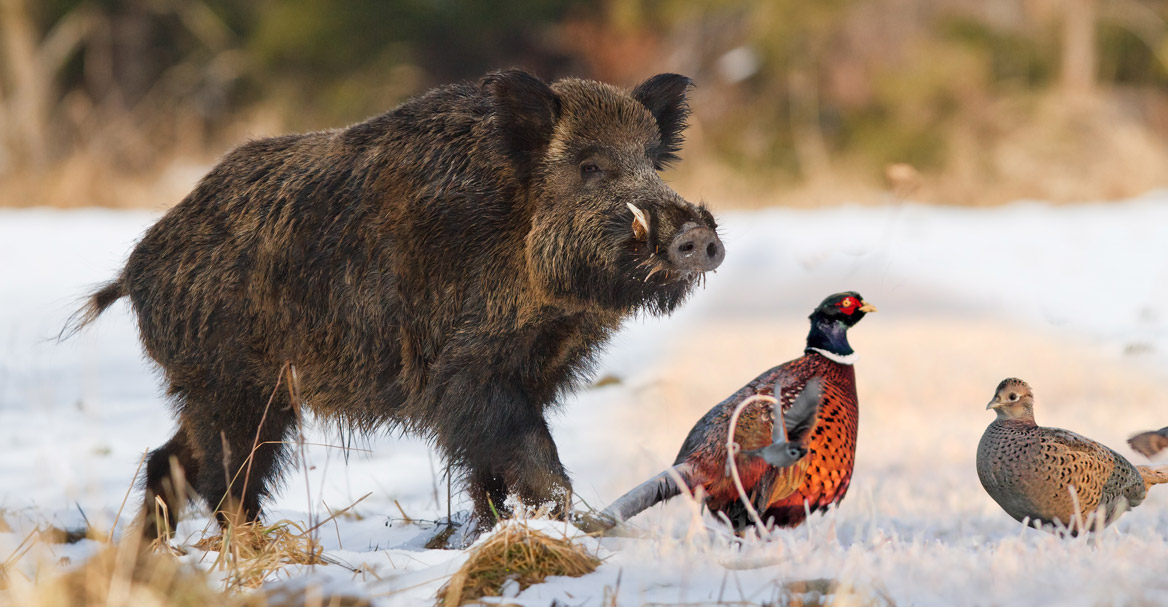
pixel 1072 298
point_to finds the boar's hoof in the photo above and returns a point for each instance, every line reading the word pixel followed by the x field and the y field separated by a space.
pixel 696 249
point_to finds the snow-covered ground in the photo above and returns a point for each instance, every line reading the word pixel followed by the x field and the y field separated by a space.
pixel 1072 299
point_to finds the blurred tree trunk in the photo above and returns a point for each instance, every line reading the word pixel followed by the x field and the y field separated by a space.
pixel 26 110
pixel 29 68
pixel 1079 56
pixel 810 147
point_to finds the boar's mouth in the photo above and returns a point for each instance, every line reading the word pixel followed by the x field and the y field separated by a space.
pixel 665 274
pixel 664 261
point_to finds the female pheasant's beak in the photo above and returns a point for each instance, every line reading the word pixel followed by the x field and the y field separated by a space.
pixel 867 307
pixel 995 404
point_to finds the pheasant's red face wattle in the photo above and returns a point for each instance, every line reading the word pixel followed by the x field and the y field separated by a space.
pixel 848 305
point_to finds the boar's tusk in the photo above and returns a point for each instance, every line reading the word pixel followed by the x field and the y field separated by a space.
pixel 640 222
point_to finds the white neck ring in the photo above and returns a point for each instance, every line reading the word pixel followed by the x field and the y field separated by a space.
pixel 843 359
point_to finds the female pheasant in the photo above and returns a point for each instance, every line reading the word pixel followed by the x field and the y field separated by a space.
pixel 779 492
pixel 1050 475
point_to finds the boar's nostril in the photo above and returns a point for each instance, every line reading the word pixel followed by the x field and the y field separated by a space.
pixel 696 249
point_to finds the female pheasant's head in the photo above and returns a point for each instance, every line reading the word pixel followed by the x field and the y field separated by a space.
pixel 1013 400
pixel 830 323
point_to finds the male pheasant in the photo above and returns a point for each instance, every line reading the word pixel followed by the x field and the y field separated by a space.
pixel 780 493
pixel 1030 470
pixel 1148 444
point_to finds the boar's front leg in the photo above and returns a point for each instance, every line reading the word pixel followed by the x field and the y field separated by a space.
pixel 502 440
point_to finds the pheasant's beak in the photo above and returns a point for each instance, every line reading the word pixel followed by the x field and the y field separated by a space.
pixel 995 404
pixel 867 307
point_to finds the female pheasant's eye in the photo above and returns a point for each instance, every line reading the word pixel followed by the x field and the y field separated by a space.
pixel 1013 397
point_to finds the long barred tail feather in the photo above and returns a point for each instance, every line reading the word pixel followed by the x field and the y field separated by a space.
pixel 661 487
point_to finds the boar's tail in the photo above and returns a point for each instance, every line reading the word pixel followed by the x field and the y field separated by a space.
pixel 663 486
pixel 94 306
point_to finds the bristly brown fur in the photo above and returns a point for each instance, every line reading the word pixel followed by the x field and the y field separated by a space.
pixel 450 267
pixel 97 303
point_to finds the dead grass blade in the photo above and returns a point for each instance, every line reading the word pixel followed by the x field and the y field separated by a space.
pixel 118 516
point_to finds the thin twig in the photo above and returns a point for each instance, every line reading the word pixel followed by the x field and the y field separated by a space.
pixel 294 393
pixel 256 441
pixel 732 449
pixel 334 515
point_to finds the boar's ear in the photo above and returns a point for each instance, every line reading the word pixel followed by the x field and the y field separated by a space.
pixel 526 110
pixel 664 95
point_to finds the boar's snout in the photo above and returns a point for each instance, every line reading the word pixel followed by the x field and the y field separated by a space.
pixel 696 249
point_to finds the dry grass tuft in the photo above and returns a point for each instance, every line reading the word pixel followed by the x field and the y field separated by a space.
pixel 515 552
pixel 124 576
pixel 130 574
pixel 251 552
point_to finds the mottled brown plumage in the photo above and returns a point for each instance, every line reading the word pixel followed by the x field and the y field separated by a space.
pixel 1149 444
pixel 1030 470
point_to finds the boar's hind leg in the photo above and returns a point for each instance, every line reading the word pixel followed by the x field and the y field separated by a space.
pixel 239 458
pixel 167 470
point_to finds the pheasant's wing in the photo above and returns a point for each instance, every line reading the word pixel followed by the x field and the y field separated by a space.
pixel 1098 474
pixel 708 436
pixel 799 418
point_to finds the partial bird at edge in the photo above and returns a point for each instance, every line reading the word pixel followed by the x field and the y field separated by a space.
pixel 1148 444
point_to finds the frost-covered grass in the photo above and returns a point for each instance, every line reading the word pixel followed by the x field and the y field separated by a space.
pixel 1072 299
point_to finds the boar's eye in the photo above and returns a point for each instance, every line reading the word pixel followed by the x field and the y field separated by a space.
pixel 589 169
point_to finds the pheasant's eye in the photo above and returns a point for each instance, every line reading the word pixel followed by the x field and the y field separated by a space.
pixel 1013 397
pixel 846 303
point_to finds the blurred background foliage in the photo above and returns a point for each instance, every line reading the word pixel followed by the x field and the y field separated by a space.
pixel 127 102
